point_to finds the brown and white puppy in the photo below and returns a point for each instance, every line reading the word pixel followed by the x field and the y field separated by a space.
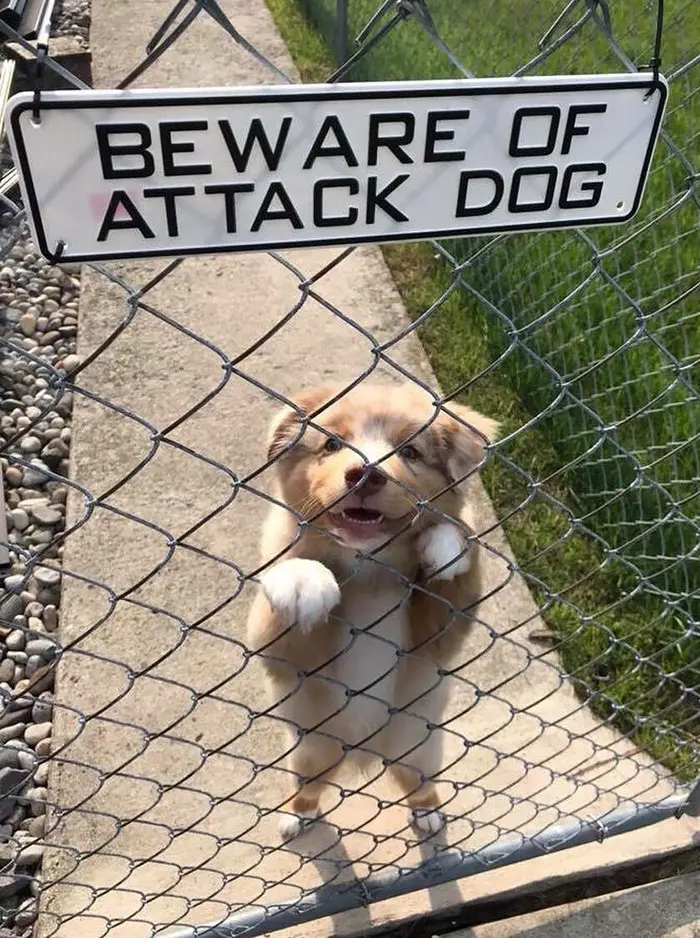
pixel 375 589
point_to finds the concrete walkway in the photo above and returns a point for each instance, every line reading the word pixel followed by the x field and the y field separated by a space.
pixel 667 909
pixel 165 825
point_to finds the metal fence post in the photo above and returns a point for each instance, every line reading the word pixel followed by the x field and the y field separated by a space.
pixel 341 30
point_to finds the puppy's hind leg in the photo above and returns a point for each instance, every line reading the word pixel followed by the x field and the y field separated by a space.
pixel 314 761
pixel 415 779
pixel 415 746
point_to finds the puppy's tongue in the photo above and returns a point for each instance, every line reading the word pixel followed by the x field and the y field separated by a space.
pixel 363 515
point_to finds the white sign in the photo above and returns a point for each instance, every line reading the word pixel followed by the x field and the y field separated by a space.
pixel 115 174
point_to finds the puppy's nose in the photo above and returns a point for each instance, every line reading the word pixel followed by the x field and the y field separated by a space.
pixel 369 479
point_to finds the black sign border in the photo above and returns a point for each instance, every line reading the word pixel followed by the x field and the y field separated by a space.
pixel 296 93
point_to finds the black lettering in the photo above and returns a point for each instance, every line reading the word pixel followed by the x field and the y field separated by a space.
pixel 395 143
pixel 549 171
pixel 229 192
pixel 168 195
pixel 341 147
pixel 595 188
pixel 109 150
pixel 572 130
pixel 256 134
pixel 377 200
pixel 286 213
pixel 322 220
pixel 432 135
pixel 170 147
pixel 468 211
pixel 119 199
pixel 514 147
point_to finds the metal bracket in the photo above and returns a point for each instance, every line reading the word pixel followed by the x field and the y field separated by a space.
pixel 11 12
pixel 42 29
pixel 655 60
pixel 41 54
pixel 31 18
pixel 56 255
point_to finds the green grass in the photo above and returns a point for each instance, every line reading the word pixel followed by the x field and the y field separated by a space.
pixel 630 654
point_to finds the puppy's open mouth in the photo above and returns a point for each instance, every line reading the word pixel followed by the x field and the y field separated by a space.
pixel 364 522
pixel 362 516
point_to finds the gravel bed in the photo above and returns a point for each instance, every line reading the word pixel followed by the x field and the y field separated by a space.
pixel 72 18
pixel 38 314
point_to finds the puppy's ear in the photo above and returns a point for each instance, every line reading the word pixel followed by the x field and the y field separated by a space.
pixel 286 424
pixel 464 439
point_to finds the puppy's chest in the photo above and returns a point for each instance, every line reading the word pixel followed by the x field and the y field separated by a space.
pixel 374 610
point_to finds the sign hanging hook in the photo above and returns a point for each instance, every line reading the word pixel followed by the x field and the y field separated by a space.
pixel 41 53
pixel 655 61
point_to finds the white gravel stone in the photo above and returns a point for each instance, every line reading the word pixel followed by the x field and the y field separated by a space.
pixel 47 577
pixel 37 732
pixel 50 618
pixel 27 323
pixel 30 444
pixel 15 641
pixel 16 581
pixel 45 515
pixel 71 362
pixel 43 747
pixel 20 519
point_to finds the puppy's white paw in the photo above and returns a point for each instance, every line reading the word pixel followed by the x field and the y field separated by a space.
pixel 291 825
pixel 428 821
pixel 443 551
pixel 301 592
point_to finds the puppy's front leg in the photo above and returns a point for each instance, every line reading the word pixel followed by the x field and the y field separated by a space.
pixel 300 592
pixel 443 552
pixel 449 569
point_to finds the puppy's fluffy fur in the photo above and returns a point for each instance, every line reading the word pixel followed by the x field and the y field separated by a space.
pixel 374 594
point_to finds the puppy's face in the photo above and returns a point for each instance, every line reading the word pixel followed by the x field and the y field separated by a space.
pixel 380 452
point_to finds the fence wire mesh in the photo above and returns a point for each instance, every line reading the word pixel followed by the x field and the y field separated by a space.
pixel 572 710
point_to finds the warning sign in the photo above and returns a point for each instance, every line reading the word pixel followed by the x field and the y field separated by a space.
pixel 170 172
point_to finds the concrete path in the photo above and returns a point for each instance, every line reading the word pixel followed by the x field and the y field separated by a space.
pixel 162 802
pixel 667 909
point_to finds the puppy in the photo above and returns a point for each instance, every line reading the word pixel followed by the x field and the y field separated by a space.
pixel 372 580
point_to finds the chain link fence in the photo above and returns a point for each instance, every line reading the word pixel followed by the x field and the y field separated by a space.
pixel 573 707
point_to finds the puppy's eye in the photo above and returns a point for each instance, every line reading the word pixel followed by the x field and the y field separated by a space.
pixel 332 445
pixel 409 452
